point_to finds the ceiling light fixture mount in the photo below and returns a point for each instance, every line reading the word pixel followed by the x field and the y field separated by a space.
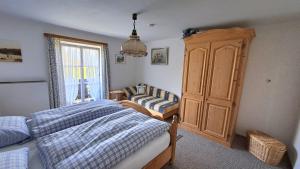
pixel 134 46
pixel 152 24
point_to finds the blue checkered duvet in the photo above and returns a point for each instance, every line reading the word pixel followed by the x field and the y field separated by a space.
pixel 53 120
pixel 100 143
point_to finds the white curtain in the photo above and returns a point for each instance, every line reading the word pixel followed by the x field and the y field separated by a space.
pixel 72 72
pixel 91 62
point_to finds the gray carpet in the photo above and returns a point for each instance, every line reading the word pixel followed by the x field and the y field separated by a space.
pixel 196 152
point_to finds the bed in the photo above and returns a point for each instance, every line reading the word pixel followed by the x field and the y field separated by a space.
pixel 145 157
pixel 167 156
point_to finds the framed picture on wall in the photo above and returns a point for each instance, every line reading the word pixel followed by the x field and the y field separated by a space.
pixel 159 56
pixel 119 59
pixel 10 51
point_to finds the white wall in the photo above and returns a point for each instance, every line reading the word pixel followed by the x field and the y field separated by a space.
pixel 168 77
pixel 272 107
pixel 34 51
pixel 294 150
pixel 274 54
pixel 34 65
pixel 25 98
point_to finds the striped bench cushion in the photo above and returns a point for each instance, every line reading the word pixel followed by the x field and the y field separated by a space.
pixel 156 92
pixel 155 103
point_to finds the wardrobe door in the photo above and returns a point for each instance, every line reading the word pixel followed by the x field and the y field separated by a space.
pixel 221 85
pixel 193 92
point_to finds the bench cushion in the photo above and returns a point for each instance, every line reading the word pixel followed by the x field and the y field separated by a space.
pixel 151 91
pixel 155 103
pixel 156 92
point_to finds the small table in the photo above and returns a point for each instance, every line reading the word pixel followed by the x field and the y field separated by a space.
pixel 116 95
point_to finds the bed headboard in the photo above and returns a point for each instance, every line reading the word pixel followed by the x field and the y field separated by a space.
pixel 23 97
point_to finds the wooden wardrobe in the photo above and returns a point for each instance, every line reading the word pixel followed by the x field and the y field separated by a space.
pixel 214 67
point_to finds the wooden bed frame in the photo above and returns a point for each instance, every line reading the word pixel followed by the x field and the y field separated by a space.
pixel 168 112
pixel 168 155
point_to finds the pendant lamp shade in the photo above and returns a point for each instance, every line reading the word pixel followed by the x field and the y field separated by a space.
pixel 134 46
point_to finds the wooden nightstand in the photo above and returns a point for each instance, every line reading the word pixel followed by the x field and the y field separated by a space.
pixel 116 95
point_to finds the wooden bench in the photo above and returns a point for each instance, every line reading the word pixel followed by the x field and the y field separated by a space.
pixel 164 104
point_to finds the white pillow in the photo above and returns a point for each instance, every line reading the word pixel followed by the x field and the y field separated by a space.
pixel 140 89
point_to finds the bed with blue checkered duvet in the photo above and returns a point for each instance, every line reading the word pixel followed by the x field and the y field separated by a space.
pixel 53 120
pixel 99 143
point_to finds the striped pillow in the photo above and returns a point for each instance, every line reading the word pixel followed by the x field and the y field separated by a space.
pixel 129 91
pixel 141 89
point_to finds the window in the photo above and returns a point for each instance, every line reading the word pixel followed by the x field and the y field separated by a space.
pixel 81 66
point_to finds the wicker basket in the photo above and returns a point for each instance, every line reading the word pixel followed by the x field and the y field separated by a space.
pixel 266 148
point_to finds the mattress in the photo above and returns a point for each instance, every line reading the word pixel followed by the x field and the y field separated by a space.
pixel 135 161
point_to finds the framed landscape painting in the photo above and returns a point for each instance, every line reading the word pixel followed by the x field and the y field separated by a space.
pixel 10 51
pixel 120 59
pixel 159 56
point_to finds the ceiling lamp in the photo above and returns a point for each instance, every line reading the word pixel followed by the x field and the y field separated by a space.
pixel 134 46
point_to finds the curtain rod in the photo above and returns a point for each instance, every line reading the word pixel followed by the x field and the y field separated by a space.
pixel 13 82
pixel 74 39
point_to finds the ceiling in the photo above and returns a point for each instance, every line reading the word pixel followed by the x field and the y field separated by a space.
pixel 113 17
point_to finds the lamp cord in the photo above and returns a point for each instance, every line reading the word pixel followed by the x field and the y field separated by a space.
pixel 133 24
pixel 134 17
